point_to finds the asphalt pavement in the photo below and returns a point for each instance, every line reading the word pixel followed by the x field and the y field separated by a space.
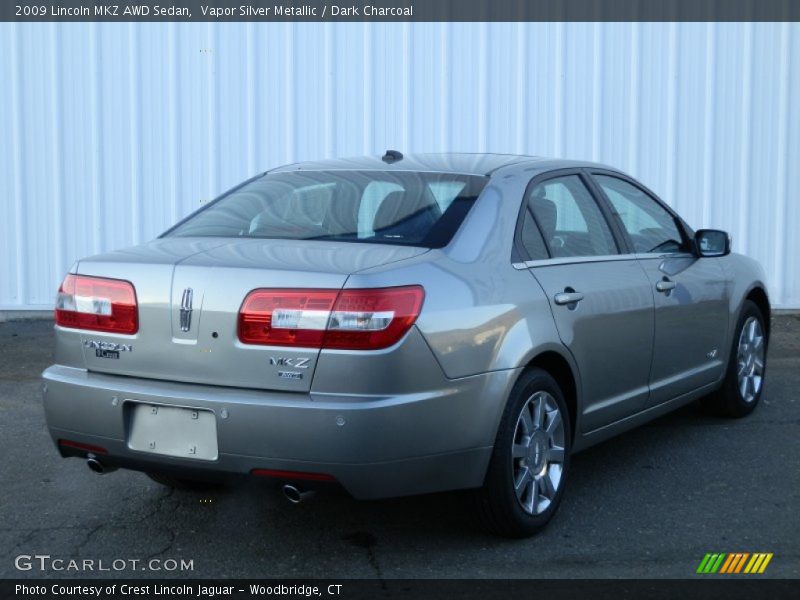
pixel 649 503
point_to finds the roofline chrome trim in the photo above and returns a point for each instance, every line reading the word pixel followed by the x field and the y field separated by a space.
pixel 571 260
pixel 682 254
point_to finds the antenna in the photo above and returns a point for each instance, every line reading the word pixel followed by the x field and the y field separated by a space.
pixel 392 156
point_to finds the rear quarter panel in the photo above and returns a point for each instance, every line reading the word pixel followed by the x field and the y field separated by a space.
pixel 480 315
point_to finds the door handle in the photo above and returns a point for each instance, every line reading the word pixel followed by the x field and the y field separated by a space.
pixel 665 285
pixel 563 298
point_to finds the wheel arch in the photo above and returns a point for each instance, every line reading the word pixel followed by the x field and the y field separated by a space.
pixel 758 295
pixel 561 369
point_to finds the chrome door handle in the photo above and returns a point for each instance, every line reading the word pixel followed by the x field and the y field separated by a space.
pixel 563 298
pixel 665 285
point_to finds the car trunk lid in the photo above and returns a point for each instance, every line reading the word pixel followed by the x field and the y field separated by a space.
pixel 189 292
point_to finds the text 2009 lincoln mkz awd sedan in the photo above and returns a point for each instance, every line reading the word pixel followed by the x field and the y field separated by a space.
pixel 402 326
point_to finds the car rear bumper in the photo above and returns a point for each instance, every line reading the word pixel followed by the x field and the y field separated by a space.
pixel 373 446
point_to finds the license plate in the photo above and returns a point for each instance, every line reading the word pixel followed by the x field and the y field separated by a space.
pixel 173 431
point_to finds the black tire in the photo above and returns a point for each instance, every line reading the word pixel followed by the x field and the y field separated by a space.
pixel 182 483
pixel 728 400
pixel 501 511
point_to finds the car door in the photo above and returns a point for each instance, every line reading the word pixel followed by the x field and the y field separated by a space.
pixel 600 298
pixel 691 315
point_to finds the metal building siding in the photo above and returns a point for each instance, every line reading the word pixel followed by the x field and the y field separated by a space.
pixel 112 132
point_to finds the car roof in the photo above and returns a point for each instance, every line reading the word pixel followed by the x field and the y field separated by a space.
pixel 444 162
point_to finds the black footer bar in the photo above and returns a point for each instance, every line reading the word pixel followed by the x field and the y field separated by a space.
pixel 474 589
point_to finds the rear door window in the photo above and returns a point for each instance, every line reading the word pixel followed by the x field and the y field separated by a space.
pixel 532 239
pixel 569 219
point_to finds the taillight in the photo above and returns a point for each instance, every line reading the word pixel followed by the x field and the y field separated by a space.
pixel 97 304
pixel 285 317
pixel 363 319
pixel 372 319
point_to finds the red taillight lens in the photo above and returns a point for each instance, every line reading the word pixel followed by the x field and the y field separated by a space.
pixel 373 319
pixel 285 317
pixel 367 319
pixel 97 304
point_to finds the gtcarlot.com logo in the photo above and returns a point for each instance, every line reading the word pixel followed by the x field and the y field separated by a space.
pixel 732 563
pixel 44 562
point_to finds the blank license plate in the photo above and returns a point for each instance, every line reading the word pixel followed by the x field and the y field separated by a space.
pixel 173 431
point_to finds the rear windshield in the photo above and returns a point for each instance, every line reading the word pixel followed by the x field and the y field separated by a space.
pixel 417 209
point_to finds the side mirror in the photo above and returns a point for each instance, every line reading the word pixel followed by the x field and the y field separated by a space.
pixel 712 242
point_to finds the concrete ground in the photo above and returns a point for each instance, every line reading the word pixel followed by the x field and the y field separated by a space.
pixel 649 503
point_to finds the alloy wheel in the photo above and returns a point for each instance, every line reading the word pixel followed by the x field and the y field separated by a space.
pixel 750 360
pixel 537 456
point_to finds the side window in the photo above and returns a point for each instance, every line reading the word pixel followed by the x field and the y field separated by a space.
pixel 532 238
pixel 569 218
pixel 650 226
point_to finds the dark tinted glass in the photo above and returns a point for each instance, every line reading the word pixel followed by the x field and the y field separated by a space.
pixel 409 208
pixel 569 218
pixel 532 238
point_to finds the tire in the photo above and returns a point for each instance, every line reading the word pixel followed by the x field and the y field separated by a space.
pixel 739 394
pixel 182 483
pixel 503 511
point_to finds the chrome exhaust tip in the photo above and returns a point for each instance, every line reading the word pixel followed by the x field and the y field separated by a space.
pixel 294 495
pixel 95 465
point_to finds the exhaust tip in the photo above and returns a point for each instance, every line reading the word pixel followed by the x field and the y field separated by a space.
pixel 295 495
pixel 94 464
pixel 292 494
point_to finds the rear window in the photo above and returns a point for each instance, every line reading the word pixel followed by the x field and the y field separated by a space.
pixel 407 208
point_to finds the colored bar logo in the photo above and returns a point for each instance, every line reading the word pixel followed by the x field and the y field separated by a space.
pixel 734 562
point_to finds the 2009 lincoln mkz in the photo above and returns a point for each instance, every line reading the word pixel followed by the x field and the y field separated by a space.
pixel 404 325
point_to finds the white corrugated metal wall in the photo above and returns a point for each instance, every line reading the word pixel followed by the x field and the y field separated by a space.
pixel 111 132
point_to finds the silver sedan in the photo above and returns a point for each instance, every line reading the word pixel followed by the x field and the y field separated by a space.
pixel 404 325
